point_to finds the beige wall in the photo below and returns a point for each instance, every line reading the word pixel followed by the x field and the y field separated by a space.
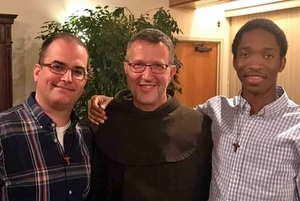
pixel 32 13
pixel 200 24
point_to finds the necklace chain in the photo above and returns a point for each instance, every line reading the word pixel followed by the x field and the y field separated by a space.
pixel 236 144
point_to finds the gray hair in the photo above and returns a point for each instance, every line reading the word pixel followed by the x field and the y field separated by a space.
pixel 153 36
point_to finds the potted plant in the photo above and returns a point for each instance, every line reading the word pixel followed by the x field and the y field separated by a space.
pixel 106 34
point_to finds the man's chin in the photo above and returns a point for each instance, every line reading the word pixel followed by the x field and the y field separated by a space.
pixel 63 102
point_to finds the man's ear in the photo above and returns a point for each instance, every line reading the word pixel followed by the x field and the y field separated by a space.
pixel 125 66
pixel 36 71
pixel 234 64
pixel 172 72
pixel 282 64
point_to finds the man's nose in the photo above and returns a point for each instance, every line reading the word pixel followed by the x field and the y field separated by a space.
pixel 256 62
pixel 67 77
pixel 147 72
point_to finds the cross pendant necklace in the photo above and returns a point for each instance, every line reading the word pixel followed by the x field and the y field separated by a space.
pixel 236 146
pixel 67 159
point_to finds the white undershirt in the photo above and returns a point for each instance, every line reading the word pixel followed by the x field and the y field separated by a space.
pixel 61 133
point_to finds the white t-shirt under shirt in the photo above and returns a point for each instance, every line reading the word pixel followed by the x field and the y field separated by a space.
pixel 61 133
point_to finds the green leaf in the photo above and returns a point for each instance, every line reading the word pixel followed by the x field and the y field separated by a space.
pixel 106 34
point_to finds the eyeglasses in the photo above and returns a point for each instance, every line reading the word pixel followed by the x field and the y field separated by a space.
pixel 140 67
pixel 78 73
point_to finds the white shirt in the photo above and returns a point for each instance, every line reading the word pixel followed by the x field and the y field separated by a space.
pixel 266 166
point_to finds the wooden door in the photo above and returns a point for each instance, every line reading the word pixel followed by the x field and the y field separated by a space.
pixel 198 75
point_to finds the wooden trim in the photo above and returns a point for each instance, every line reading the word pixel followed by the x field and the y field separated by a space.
pixel 6 99
pixel 193 4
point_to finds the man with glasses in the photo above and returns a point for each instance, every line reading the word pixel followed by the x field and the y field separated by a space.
pixel 44 152
pixel 256 133
pixel 151 147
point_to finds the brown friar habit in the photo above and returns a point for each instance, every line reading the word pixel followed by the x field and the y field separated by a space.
pixel 162 155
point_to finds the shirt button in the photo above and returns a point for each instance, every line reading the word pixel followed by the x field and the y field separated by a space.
pixel 55 140
pixel 70 192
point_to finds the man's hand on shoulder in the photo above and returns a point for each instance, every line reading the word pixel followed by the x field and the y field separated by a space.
pixel 96 108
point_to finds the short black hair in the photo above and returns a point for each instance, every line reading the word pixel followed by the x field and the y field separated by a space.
pixel 60 35
pixel 264 24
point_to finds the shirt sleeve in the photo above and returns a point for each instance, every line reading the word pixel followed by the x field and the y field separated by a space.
pixel 203 108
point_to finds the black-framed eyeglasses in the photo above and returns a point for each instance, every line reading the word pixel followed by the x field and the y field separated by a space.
pixel 155 68
pixel 78 73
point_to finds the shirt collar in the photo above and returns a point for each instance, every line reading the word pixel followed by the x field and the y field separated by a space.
pixel 43 119
pixel 269 109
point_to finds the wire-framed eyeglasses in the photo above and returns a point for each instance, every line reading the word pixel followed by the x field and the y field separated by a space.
pixel 78 73
pixel 141 67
